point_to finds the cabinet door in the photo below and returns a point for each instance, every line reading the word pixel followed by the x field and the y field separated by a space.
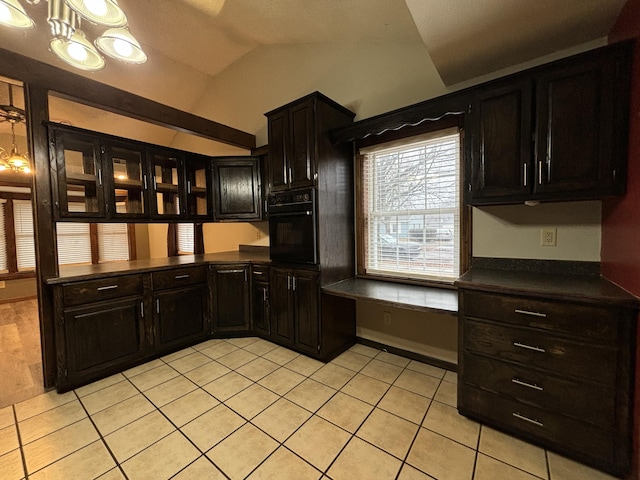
pixel 126 180
pixel 278 151
pixel 282 324
pixel 575 116
pixel 80 191
pixel 302 157
pixel 168 184
pixel 99 337
pixel 180 316
pixel 500 146
pixel 307 327
pixel 237 189
pixel 260 308
pixel 198 180
pixel 231 307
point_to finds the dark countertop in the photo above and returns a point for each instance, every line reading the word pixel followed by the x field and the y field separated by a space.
pixel 413 297
pixel 103 270
pixel 584 288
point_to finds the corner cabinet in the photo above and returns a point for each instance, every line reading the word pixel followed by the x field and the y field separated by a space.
pixel 237 189
pixel 557 132
pixel 231 308
pixel 553 368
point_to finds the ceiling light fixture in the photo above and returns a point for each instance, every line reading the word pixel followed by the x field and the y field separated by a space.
pixel 69 43
pixel 13 160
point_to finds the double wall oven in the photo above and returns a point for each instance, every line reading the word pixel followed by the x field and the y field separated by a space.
pixel 292 227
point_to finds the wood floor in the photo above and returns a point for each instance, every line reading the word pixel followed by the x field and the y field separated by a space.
pixel 20 352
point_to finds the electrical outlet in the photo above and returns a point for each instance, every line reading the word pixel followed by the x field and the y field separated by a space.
pixel 386 317
pixel 548 237
pixel 2 284
pixel 258 233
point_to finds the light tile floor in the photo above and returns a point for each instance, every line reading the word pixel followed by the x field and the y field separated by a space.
pixel 247 408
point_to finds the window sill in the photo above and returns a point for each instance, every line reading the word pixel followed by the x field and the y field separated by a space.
pixel 441 299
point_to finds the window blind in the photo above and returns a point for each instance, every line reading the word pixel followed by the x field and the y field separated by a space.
pixel 411 207
pixel 185 237
pixel 4 268
pixel 23 222
pixel 113 242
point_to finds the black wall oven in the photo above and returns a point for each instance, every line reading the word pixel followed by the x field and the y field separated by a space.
pixel 292 227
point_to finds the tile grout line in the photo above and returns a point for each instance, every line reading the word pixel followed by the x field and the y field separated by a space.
pixel 20 446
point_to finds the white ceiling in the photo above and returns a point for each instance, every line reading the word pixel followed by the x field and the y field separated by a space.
pixel 191 42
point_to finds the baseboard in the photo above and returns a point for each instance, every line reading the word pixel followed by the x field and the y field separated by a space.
pixel 412 355
pixel 17 299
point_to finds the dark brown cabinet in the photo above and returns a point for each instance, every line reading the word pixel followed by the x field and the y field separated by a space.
pixel 557 132
pixel 231 308
pixel 237 189
pixel 180 306
pixel 101 328
pixel 555 369
pixel 126 169
pixel 295 312
pixel 291 146
pixel 198 187
pixel 260 316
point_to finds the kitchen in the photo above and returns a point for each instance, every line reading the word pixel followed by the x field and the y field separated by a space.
pixel 518 224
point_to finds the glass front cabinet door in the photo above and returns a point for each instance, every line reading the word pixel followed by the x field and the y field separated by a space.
pixel 198 175
pixel 77 159
pixel 168 181
pixel 129 180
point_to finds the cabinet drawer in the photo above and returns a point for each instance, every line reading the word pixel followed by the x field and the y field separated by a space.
pixel 260 273
pixel 178 277
pixel 588 321
pixel 535 348
pixel 580 401
pixel 603 447
pixel 102 289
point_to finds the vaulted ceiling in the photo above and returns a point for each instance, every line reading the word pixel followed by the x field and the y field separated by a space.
pixel 192 43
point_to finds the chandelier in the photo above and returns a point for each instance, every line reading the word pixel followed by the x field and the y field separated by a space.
pixel 13 160
pixel 69 43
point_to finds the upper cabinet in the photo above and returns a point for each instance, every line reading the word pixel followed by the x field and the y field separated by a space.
pixel 168 183
pixel 297 133
pixel 237 189
pixel 127 191
pixel 557 132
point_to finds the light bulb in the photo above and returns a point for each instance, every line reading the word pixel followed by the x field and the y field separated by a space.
pixel 97 7
pixel 77 52
pixel 17 162
pixel 5 13
pixel 123 48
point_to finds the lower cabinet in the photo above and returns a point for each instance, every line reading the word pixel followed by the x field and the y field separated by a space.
pixel 260 311
pixel 230 297
pixel 554 371
pixel 100 327
pixel 295 309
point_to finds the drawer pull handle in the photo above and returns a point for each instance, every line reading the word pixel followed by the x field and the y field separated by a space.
pixel 533 314
pixel 258 273
pixel 527 384
pixel 181 277
pixel 527 419
pixel 108 287
pixel 231 271
pixel 529 347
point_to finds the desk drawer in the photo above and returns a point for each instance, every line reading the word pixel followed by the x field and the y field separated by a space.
pixel 580 401
pixel 260 273
pixel 178 277
pixel 563 433
pixel 539 349
pixel 588 321
pixel 102 289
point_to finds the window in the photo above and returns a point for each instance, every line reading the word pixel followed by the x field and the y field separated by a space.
pixel 186 239
pixel 410 208
pixel 78 243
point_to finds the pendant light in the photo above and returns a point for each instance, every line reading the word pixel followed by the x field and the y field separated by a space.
pixel 102 12
pixel 13 15
pixel 13 160
pixel 78 52
pixel 118 43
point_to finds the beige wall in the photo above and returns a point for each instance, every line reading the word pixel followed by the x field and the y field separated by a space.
pixel 222 237
pixel 17 289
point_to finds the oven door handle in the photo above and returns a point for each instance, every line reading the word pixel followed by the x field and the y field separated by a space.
pixel 306 213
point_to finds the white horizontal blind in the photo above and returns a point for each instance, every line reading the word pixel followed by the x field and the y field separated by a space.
pixel 185 237
pixel 4 268
pixel 23 221
pixel 412 207
pixel 113 242
pixel 74 240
